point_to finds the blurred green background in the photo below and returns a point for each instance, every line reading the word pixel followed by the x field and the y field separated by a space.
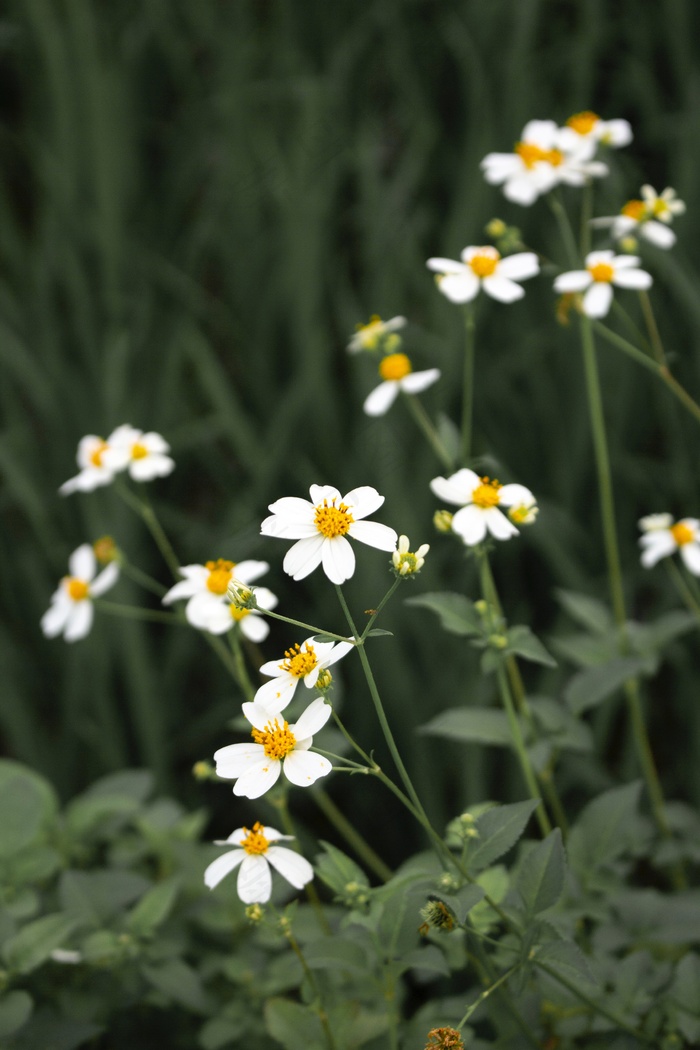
pixel 198 203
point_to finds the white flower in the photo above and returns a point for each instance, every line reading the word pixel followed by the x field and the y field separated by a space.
pixel 603 270
pixel 278 746
pixel 588 126
pixel 143 455
pixel 662 537
pixel 71 611
pixel 484 268
pixel 254 854
pixel 301 663
pixel 93 469
pixel 648 216
pixel 480 500
pixel 376 334
pixel 321 527
pixel 397 374
pixel 407 562
pixel 532 168
pixel 216 617
pixel 205 586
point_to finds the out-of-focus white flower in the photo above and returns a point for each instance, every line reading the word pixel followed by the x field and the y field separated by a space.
pixel 321 527
pixel 524 513
pixel 205 587
pixel 603 270
pixel 143 455
pixel 661 538
pixel 407 562
pixel 71 611
pixel 531 169
pixel 277 747
pixel 255 851
pixel 397 374
pixel 301 663
pixel 377 334
pixel 483 267
pixel 93 469
pixel 219 617
pixel 648 217
pixel 480 500
pixel 588 126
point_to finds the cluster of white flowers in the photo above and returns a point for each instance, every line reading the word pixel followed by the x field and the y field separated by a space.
pixel 144 456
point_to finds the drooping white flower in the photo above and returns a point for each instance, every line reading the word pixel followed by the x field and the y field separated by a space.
pixel 588 126
pixel 71 611
pixel 277 747
pixel 603 270
pixel 218 617
pixel 254 853
pixel 661 538
pixel 143 455
pixel 397 374
pixel 93 469
pixel 480 500
pixel 205 588
pixel 648 217
pixel 407 562
pixel 483 267
pixel 301 663
pixel 377 334
pixel 321 527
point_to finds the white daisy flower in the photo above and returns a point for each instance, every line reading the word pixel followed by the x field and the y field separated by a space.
pixel 532 168
pixel 405 561
pixel 205 588
pixel 484 268
pixel 648 217
pixel 301 663
pixel 71 611
pixel 397 374
pixel 588 126
pixel 93 469
pixel 662 538
pixel 277 746
pixel 218 617
pixel 255 852
pixel 376 334
pixel 143 455
pixel 321 527
pixel 480 500
pixel 603 270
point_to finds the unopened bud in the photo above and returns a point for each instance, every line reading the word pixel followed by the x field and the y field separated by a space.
pixel 442 520
pixel 105 550
pixel 241 595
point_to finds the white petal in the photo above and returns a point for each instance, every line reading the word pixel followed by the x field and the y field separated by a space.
pixel 459 287
pixel 515 495
pixel 209 614
pixel 304 556
pixel 374 534
pixel 381 398
pixel 258 715
pixel 183 589
pixel 106 579
pixel 222 866
pixel 417 381
pixel 277 694
pixel 338 558
pixel 79 621
pixel 597 300
pixel 498 524
pixel 441 265
pixel 362 501
pixel 637 279
pixel 233 760
pixel 150 467
pixel 458 488
pixel 247 571
pixel 265 598
pixel 690 553
pixel 254 880
pixel 520 266
pixel 258 779
pixel 572 281
pixel 312 719
pixel 501 289
pixel 470 524
pixel 154 442
pixel 254 628
pixel 658 544
pixel 303 768
pixel 82 562
pixel 497 167
pixel 658 234
pixel 340 650
pixel 55 618
pixel 655 521
pixel 291 865
pixel 319 493
pixel 522 189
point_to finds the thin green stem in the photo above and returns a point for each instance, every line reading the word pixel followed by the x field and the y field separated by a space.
pixel 595 1005
pixel 350 739
pixel 217 644
pixel 586 216
pixel 308 973
pixel 282 806
pixel 308 626
pixel 486 993
pixel 142 506
pixel 683 589
pixel 567 234
pixel 376 612
pixel 140 577
pixel 133 612
pixel 521 751
pixel 433 438
pixel 239 661
pixel 468 383
pixel 652 328
pixel 483 964
pixel 351 835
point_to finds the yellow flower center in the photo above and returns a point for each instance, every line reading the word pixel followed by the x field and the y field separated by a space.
pixel 77 589
pixel 602 272
pixel 660 207
pixel 584 122
pixel 255 841
pixel 138 451
pixel 682 534
pixel 531 154
pixel 634 210
pixel 485 261
pixel 332 521
pixel 370 334
pixel 219 577
pixel 395 367
pixel 486 494
pixel 277 740
pixel 238 614
pixel 299 662
pixel 96 454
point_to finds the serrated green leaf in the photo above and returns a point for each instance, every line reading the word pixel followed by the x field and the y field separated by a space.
pixel 480 725
pixel 462 902
pixel 34 943
pixel 339 871
pixel 456 612
pixel 15 1010
pixel 540 878
pixel 335 953
pixel 180 983
pixel 586 611
pixel 522 642
pixel 153 908
pixel 499 829
pixel 295 1026
pixel 590 687
pixel 603 829
pixel 567 959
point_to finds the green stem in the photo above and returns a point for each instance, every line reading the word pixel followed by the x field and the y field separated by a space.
pixel 239 661
pixel 652 328
pixel 282 807
pixel 486 993
pixel 381 605
pixel 423 420
pixel 483 964
pixel 595 1006
pixel 307 626
pixel 226 657
pixel 351 835
pixel 683 589
pixel 142 578
pixel 586 216
pixel 468 383
pixel 145 511
pixel 521 751
pixel 133 612
pixel 567 234
pixel 308 973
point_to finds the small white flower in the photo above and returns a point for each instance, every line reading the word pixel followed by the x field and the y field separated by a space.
pixel 407 562
pixel 255 852
pixel 662 538
pixel 143 455
pixel 301 663
pixel 205 588
pixel 524 513
pixel 321 527
pixel 648 216
pixel 603 270
pixel 483 267
pixel 531 169
pixel 278 746
pixel 71 611
pixel 93 469
pixel 219 617
pixel 588 126
pixel 397 374
pixel 377 334
pixel 480 500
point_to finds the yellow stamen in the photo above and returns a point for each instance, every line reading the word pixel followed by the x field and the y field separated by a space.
pixel 531 155
pixel 255 841
pixel 277 740
pixel 77 589
pixel 634 209
pixel 485 261
pixel 298 663
pixel 138 451
pixel 395 367
pixel 682 534
pixel 332 521
pixel 238 614
pixel 220 573
pixel 486 495
pixel 370 334
pixel 96 454
pixel 584 122
pixel 602 272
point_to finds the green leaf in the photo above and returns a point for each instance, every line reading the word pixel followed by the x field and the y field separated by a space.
pixel 456 612
pixel 523 642
pixel 540 879
pixel 15 1009
pixel 87 814
pixel 353 1026
pixel 586 611
pixel 479 725
pixel 590 687
pixel 180 983
pixel 93 898
pixel 136 784
pixel 495 882
pixel 339 872
pixel 567 959
pixel 602 831
pixel 499 829
pixel 34 943
pixel 462 902
pixel 430 959
pixel 336 953
pixel 295 1026
pixel 153 908
pixel 684 996
pixel 377 632
pixel 226 1029
pixel 23 809
pixel 48 1030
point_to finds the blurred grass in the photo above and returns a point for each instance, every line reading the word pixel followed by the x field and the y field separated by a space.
pixel 198 203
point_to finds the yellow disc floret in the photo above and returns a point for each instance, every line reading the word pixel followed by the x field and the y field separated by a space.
pixel 276 739
pixel 486 495
pixel 634 209
pixel 238 614
pixel 255 841
pixel 96 454
pixel 602 272
pixel 332 521
pixel 220 572
pixel 299 662
pixel 531 155
pixel 583 123
pixel 485 261
pixel 395 367
pixel 77 589
pixel 138 451
pixel 371 333
pixel 682 534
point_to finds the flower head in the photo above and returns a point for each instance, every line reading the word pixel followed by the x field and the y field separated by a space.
pixel 143 455
pixel 405 562
pixel 277 747
pixel 603 270
pixel 662 537
pixel 71 611
pixel 321 527
pixel 397 374
pixel 255 851
pixel 377 335
pixel 302 663
pixel 648 216
pixel 209 608
pixel 484 268
pixel 480 500
pixel 94 471
pixel 588 126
